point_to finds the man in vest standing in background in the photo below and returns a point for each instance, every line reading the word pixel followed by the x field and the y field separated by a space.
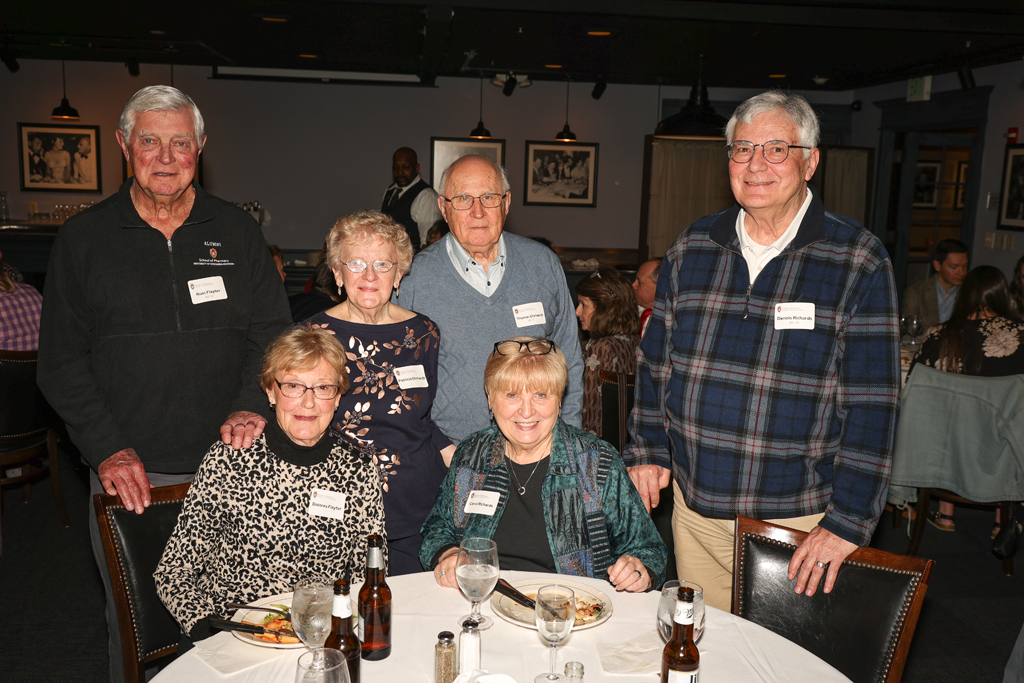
pixel 410 200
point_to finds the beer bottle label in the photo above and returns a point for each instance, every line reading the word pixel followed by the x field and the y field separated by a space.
pixel 684 613
pixel 683 676
pixel 342 606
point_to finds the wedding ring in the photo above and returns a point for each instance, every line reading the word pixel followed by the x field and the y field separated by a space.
pixel 638 574
pixel 442 573
pixel 820 564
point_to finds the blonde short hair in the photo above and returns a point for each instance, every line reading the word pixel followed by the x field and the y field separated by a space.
pixel 522 369
pixel 301 348
pixel 367 226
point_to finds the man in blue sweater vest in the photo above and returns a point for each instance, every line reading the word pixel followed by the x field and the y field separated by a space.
pixel 481 286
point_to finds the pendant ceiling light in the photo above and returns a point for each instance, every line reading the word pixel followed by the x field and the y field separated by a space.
pixel 481 133
pixel 65 112
pixel 566 135
pixel 697 117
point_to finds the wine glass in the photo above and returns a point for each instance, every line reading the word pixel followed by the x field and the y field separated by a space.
pixel 903 327
pixel 333 667
pixel 476 571
pixel 556 612
pixel 667 607
pixel 311 616
pixel 914 328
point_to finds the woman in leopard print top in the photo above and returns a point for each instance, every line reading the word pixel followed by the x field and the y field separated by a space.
pixel 254 521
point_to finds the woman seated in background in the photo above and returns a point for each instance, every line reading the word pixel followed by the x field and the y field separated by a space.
pixel 607 310
pixel 982 337
pixel 539 477
pixel 1017 288
pixel 250 526
pixel 392 364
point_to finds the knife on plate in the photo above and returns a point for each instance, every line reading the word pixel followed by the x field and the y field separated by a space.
pixel 509 591
pixel 225 625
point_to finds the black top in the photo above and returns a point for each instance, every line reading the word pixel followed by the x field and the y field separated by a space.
pixel 992 347
pixel 522 536
pixel 307 304
pixel 281 445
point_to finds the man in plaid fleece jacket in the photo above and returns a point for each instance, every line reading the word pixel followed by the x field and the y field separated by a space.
pixel 768 379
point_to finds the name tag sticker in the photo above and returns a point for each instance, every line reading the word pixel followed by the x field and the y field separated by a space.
pixel 207 289
pixel 324 503
pixel 529 314
pixel 411 376
pixel 482 503
pixel 794 316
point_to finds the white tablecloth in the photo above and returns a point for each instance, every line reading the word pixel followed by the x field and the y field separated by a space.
pixel 732 650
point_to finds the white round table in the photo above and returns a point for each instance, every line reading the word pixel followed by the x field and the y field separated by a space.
pixel 732 649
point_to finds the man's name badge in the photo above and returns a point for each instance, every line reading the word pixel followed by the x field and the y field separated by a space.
pixel 411 376
pixel 207 289
pixel 794 316
pixel 324 503
pixel 482 503
pixel 529 314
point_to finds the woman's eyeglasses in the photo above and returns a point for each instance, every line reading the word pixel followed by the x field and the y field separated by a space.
pixel 357 265
pixel 537 347
pixel 324 392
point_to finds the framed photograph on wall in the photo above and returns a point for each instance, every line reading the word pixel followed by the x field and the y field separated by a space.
pixel 561 173
pixel 443 151
pixel 55 157
pixel 1011 202
pixel 961 179
pixel 926 184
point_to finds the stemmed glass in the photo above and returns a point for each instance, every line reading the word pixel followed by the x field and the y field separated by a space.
pixel 914 328
pixel 333 668
pixel 667 608
pixel 555 611
pixel 311 616
pixel 476 571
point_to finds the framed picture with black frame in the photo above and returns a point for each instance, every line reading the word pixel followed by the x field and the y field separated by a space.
pixel 1011 201
pixel 926 184
pixel 560 173
pixel 443 151
pixel 57 157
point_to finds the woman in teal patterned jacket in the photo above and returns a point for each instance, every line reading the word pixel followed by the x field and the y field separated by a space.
pixel 553 497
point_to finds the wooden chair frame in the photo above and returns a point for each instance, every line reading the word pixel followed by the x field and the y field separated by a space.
pixel 127 615
pixel 624 385
pixel 870 557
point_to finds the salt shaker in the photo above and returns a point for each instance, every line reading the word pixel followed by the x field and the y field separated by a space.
pixel 469 646
pixel 574 672
pixel 444 658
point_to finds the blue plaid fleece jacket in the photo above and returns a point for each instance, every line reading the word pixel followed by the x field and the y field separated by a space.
pixel 764 422
pixel 593 512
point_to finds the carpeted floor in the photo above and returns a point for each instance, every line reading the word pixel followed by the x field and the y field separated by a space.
pixel 53 601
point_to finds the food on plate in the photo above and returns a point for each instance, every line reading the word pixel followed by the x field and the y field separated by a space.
pixel 587 609
pixel 274 622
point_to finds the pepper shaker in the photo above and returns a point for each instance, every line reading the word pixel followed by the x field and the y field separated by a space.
pixel 444 658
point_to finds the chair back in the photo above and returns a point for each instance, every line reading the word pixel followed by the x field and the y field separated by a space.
pixel 616 405
pixel 134 545
pixel 863 627
pixel 24 413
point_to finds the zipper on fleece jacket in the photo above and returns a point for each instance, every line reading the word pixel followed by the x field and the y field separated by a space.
pixel 174 286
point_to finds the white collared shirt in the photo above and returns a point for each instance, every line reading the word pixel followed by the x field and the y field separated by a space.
pixel 472 272
pixel 424 208
pixel 757 255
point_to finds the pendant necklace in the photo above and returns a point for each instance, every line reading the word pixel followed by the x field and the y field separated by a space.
pixel 521 488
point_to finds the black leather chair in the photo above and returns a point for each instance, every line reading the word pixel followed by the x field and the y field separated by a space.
pixel 27 436
pixel 133 545
pixel 863 627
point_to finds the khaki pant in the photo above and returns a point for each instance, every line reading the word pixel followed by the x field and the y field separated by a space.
pixel 704 548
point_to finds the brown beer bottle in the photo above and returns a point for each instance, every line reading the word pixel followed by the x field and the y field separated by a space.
pixel 342 636
pixel 375 603
pixel 680 661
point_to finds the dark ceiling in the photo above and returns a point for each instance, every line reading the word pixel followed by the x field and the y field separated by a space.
pixel 852 44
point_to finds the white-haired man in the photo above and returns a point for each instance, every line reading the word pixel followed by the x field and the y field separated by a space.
pixel 481 286
pixel 768 378
pixel 159 302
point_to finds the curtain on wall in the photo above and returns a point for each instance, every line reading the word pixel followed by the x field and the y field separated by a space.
pixel 689 179
pixel 845 185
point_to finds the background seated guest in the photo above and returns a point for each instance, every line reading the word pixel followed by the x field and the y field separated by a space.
pixel 438 230
pixel 278 256
pixel 248 528
pixel 607 310
pixel 931 300
pixel 392 364
pixel 324 294
pixel 644 286
pixel 20 308
pixel 982 337
pixel 544 516
pixel 1017 288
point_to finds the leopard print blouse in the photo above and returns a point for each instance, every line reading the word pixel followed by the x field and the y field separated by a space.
pixel 244 532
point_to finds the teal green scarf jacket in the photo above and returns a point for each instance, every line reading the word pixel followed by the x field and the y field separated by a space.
pixel 593 512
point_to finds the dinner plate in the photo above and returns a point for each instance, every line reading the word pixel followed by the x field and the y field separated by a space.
pixel 515 613
pixel 256 617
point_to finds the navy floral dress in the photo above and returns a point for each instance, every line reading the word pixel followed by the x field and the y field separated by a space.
pixel 385 414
